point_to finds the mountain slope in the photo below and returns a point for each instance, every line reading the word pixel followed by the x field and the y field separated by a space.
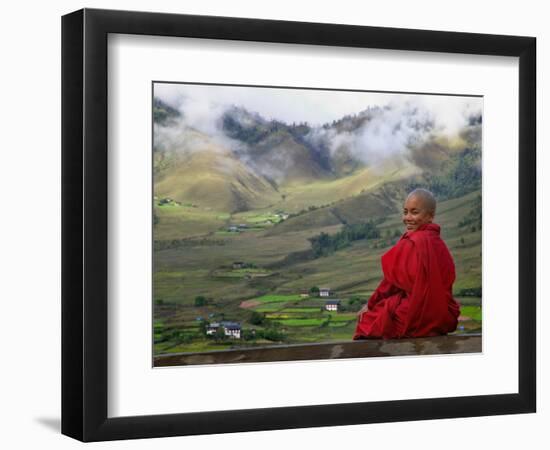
pixel 282 158
pixel 243 161
pixel 210 176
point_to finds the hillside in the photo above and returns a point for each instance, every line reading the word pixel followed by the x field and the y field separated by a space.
pixel 248 163
pixel 250 215
pixel 281 267
pixel 209 175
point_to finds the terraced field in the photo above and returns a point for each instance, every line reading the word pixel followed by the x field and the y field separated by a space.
pixel 270 295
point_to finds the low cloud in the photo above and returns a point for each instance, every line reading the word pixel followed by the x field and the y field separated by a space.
pixel 391 123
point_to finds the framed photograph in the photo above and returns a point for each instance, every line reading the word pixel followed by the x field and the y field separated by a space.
pixel 268 224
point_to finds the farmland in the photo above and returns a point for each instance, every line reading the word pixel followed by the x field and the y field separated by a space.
pixel 268 231
pixel 275 285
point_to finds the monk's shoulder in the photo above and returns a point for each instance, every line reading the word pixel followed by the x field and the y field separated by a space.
pixel 405 244
pixel 416 237
pixel 406 240
pixel 424 239
pixel 424 236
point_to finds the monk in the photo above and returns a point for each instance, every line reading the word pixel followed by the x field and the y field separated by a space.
pixel 414 298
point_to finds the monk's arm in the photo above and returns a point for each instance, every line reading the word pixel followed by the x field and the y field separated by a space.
pixel 384 290
pixel 398 265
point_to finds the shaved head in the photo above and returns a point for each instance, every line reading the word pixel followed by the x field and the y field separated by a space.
pixel 426 197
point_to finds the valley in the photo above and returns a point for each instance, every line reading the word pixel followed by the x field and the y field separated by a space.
pixel 235 216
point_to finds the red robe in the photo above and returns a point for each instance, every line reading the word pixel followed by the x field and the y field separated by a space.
pixel 414 298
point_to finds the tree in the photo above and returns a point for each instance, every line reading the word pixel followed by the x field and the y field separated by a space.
pixel 325 244
pixel 354 304
pixel 203 324
pixel 257 318
pixel 249 334
pixel 314 290
pixel 354 307
pixel 177 336
pixel 273 334
pixel 219 335
pixel 200 300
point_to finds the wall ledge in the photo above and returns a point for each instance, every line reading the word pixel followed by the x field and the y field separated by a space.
pixel 439 345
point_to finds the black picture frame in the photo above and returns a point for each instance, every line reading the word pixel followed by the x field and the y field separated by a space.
pixel 84 224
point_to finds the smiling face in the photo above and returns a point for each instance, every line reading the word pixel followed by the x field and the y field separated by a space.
pixel 416 212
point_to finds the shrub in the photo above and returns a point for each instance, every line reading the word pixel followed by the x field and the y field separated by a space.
pixel 257 318
pixel 200 300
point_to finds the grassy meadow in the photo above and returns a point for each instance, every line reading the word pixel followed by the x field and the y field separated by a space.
pixel 256 209
pixel 271 297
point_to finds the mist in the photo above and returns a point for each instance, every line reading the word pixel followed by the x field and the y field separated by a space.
pixel 390 124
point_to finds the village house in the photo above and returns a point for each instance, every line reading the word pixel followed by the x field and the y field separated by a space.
pixel 231 329
pixel 233 228
pixel 238 265
pixel 332 305
pixel 212 328
pixel 324 292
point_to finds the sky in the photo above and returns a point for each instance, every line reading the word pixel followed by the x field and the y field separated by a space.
pixel 312 105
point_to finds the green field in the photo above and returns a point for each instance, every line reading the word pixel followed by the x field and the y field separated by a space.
pixel 277 298
pixel 253 215
pixel 300 310
pixel 302 322
pixel 474 312
pixel 197 256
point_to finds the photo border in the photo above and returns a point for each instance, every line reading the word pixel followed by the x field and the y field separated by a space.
pixel 84 224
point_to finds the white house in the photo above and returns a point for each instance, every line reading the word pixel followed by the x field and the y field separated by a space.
pixel 324 292
pixel 212 328
pixel 233 330
pixel 230 329
pixel 332 305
